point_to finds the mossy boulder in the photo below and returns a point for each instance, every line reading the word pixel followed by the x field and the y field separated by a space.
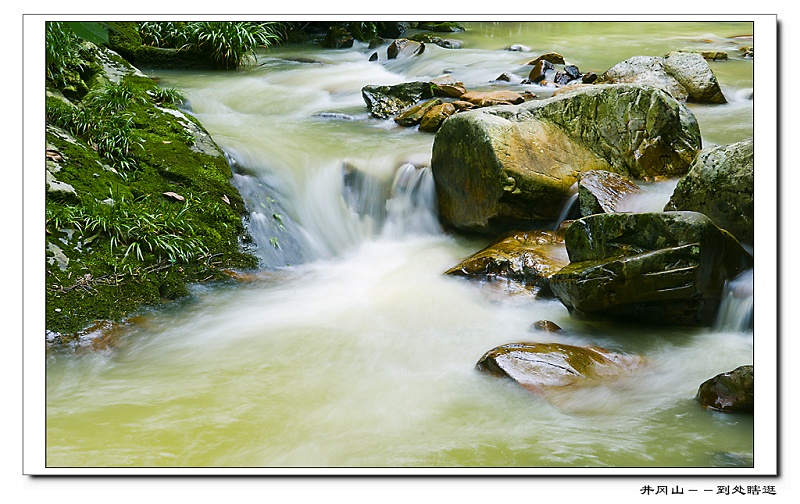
pixel 543 367
pixel 528 258
pixel 601 191
pixel 657 268
pixel 729 392
pixel 388 101
pixel 514 166
pixel 720 185
pixel 109 272
pixel 441 26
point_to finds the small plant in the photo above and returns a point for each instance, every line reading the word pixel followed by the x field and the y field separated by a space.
pixel 134 229
pixel 168 95
pixel 62 49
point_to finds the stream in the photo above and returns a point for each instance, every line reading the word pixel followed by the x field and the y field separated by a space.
pixel 349 348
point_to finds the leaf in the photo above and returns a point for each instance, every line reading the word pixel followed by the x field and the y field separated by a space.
pixel 93 32
pixel 173 195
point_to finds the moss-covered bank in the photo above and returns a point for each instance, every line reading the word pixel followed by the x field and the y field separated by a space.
pixel 139 198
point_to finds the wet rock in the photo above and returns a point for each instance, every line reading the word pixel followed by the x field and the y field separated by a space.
pixel 546 326
pixel 441 26
pixel 714 55
pixel 338 37
pixel 540 70
pixel 729 392
pixel 447 87
pixel 518 48
pixel 403 47
pixel 435 115
pixel 491 98
pixel 461 105
pixel 388 101
pixel 747 52
pixel 551 57
pixel 572 72
pixel 374 57
pixel 600 191
pixel 720 184
pixel 529 258
pixel 505 77
pixel 427 38
pixel 588 77
pixel 657 268
pixel 413 115
pixel 506 167
pixel 542 367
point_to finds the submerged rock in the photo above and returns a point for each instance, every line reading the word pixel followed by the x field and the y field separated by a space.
pixel 540 367
pixel 513 166
pixel 729 392
pixel 601 191
pixel 658 268
pixel 529 258
pixel 720 184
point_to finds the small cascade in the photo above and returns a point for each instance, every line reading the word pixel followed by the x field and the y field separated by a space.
pixel 411 207
pixel 736 310
pixel 571 208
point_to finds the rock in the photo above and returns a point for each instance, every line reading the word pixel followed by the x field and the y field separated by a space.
pixel 541 367
pixel 588 77
pixel 572 71
pixel 441 26
pixel 729 392
pixel 546 326
pixel 491 98
pixel 435 115
pixel 413 115
pixel 714 55
pixel 658 268
pixel 374 57
pixel 518 48
pixel 720 184
pixel 529 258
pixel 551 57
pixel 506 167
pixel 448 88
pixel 600 191
pixel 393 29
pixel 387 101
pixel 402 48
pixel 645 70
pixel 686 76
pixel 505 77
pixel 338 38
pixel 540 70
pixel 747 52
pixel 427 38
pixel 461 105
pixel 694 74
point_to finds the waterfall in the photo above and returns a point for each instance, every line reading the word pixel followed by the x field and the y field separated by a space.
pixel 571 209
pixel 736 310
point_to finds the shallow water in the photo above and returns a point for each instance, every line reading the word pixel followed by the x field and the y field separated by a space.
pixel 350 348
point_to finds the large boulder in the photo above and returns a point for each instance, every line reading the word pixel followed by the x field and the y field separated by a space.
pixel 686 76
pixel 529 258
pixel 730 392
pixel 513 166
pixel 542 367
pixel 720 184
pixel 658 268
pixel 388 101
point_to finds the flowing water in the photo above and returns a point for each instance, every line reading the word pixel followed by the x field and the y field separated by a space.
pixel 349 348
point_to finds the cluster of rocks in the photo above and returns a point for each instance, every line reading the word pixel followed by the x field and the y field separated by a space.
pixel 428 104
pixel 511 170
pixel 544 72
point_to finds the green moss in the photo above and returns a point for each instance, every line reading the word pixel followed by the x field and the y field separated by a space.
pixel 88 275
